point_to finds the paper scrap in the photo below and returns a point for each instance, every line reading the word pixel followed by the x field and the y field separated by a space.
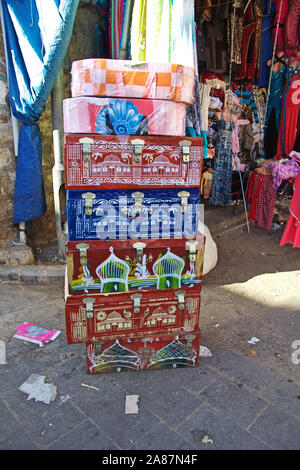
pixel 253 340
pixel 36 388
pixel 2 352
pixel 35 334
pixel 131 404
pixel 205 352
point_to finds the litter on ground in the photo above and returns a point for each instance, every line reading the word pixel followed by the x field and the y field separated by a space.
pixel 36 388
pixel 131 404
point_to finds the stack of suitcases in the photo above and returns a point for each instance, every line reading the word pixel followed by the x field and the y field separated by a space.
pixel 134 252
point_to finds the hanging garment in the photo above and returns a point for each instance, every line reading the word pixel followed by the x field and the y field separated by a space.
pixel 151 31
pixel 36 47
pixel 279 17
pixel 194 124
pixel 266 42
pixel 204 91
pixel 251 44
pixel 217 84
pixel 246 140
pixel 272 121
pixel 183 39
pixel 206 184
pixel 291 30
pixel 291 233
pixel 235 36
pixel 222 176
pixel 289 119
pixel 262 198
pixel 283 171
pixel 246 96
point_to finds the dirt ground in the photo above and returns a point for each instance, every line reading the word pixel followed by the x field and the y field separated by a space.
pixel 254 291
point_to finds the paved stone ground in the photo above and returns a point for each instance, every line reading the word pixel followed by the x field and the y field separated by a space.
pixel 238 399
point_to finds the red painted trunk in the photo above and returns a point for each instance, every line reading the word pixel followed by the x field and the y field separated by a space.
pixel 148 353
pixel 131 315
pixel 114 267
pixel 118 162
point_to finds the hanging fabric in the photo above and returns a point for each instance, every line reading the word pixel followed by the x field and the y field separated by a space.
pixel 37 35
pixel 291 233
pixel 290 110
pixel 291 31
pixel 281 7
pixel 266 42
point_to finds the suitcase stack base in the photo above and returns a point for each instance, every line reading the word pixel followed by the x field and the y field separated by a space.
pixel 150 352
pixel 134 255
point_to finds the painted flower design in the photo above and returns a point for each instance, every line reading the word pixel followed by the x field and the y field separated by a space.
pixel 121 117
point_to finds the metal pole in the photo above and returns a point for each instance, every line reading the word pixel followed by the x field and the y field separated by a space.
pixel 126 28
pixel 58 171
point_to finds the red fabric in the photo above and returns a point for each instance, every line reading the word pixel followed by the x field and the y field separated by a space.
pixel 284 10
pixel 214 91
pixel 291 233
pixel 291 35
pixel 289 124
pixel 255 196
pixel 248 43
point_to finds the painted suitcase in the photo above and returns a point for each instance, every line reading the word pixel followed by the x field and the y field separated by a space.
pixel 125 116
pixel 122 214
pixel 124 78
pixel 130 315
pixel 148 353
pixel 122 162
pixel 111 267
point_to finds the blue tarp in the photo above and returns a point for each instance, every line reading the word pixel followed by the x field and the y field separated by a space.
pixel 37 34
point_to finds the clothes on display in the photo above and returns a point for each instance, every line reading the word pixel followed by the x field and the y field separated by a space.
pixel 291 233
pixel 221 184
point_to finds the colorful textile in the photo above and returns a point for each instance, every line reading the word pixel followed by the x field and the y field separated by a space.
pixel 124 78
pixel 84 115
pixel 262 197
pixel 291 233
pixel 291 33
pixel 290 110
pixel 266 42
pixel 222 177
pixel 283 171
pixel 279 17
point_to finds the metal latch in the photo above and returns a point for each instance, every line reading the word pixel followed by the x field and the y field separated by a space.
pixel 82 247
pixel 89 308
pixel 191 246
pixel 138 149
pixel 89 199
pixel 138 201
pixel 185 145
pixel 86 143
pixel 139 246
pixel 136 302
pixel 180 300
pixel 184 195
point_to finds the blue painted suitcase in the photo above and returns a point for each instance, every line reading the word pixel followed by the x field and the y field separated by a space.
pixel 128 214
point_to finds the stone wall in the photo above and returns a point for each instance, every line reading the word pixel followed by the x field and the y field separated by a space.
pixel 83 44
pixel 7 158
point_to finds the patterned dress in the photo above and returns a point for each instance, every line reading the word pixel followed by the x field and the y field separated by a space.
pixel 222 177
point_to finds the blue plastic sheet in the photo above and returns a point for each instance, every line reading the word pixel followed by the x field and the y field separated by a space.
pixel 37 34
